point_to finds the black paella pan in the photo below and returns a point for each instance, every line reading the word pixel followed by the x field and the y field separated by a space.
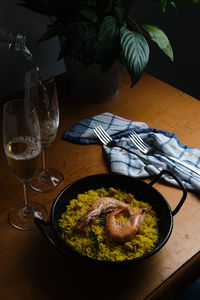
pixel 142 192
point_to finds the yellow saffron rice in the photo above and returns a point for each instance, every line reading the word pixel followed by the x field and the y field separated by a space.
pixel 93 240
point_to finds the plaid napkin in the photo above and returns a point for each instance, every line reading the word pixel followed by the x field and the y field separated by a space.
pixel 131 164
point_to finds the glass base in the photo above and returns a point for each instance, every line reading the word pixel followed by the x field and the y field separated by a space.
pixel 23 219
pixel 47 180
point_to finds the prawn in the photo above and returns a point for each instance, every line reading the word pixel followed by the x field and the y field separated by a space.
pixel 124 232
pixel 102 205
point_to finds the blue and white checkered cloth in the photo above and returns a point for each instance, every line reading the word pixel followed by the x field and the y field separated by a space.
pixel 130 164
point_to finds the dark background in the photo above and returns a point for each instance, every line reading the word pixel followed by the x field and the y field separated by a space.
pixel 182 31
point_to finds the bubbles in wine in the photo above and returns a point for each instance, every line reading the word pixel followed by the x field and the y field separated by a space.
pixel 23 156
pixel 23 148
pixel 48 130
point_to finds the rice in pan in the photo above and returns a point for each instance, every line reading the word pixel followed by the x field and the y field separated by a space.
pixel 93 240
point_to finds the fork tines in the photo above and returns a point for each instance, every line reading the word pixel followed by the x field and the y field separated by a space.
pixel 138 142
pixel 102 134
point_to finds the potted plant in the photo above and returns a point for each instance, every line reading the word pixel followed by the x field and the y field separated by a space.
pixel 101 34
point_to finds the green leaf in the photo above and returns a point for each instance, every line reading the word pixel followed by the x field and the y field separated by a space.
pixel 173 4
pixel 164 4
pixel 121 10
pixel 109 42
pixel 90 46
pixel 120 15
pixel 93 237
pixel 135 53
pixel 160 38
pixel 96 245
pixel 77 38
pixel 124 5
pixel 90 14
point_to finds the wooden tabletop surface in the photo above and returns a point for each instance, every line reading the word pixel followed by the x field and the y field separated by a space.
pixel 31 269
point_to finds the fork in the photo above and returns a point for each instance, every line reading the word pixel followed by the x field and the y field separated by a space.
pixel 104 137
pixel 108 141
pixel 146 149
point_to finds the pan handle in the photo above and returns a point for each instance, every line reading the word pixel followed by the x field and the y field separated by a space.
pixel 40 224
pixel 180 185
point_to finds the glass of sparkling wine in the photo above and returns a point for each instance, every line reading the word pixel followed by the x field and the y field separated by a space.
pixel 40 88
pixel 22 146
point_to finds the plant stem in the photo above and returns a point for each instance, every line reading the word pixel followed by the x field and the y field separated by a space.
pixel 133 21
pixel 139 29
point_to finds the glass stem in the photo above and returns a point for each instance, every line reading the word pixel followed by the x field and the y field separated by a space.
pixel 44 159
pixel 27 210
pixel 45 174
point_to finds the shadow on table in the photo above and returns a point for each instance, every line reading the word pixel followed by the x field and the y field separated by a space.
pixel 191 292
pixel 57 276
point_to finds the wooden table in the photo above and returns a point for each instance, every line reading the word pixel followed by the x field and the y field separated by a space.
pixel 31 269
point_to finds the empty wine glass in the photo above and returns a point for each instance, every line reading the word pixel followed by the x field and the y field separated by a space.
pixel 22 146
pixel 40 88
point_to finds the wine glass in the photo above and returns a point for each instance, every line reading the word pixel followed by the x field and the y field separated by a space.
pixel 22 146
pixel 40 88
